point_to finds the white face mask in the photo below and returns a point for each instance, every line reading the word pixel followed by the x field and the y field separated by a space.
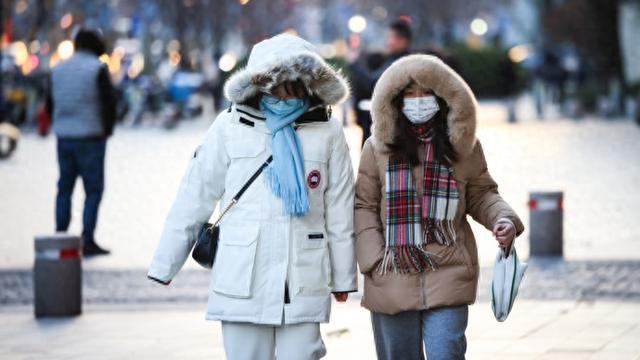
pixel 421 109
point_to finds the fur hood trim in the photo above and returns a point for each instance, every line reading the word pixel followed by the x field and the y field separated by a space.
pixel 431 73
pixel 283 58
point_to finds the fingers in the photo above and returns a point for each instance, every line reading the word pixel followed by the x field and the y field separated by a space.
pixel 341 297
pixel 504 244
pixel 498 228
pixel 506 237
pixel 504 233
pixel 503 229
pixel 504 241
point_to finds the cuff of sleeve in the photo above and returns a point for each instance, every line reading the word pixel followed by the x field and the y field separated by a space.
pixel 346 291
pixel 506 220
pixel 158 279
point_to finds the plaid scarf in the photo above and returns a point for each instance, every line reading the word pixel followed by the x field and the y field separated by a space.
pixel 412 224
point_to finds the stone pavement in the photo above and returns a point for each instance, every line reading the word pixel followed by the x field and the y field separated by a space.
pixel 535 330
pixel 546 279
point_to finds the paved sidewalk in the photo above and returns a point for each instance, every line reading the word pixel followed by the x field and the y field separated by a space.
pixel 534 330
pixel 546 279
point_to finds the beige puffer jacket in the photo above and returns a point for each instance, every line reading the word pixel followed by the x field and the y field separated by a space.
pixel 454 282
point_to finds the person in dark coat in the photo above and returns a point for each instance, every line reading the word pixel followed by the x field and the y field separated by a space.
pixel 83 107
pixel 364 78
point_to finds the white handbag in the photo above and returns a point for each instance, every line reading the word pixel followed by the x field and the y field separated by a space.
pixel 507 274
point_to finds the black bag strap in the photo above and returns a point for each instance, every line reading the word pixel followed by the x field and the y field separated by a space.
pixel 252 178
pixel 244 188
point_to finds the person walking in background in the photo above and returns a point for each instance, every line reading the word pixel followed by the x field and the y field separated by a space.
pixel 364 77
pixel 287 244
pixel 420 175
pixel 83 107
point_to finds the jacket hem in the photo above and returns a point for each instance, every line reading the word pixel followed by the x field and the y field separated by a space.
pixel 252 320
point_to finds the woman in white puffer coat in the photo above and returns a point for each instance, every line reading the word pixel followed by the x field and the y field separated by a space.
pixel 287 245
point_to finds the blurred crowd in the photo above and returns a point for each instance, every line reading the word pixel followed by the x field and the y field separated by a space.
pixel 162 75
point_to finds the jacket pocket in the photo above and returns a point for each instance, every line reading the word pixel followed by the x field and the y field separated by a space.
pixel 234 263
pixel 464 250
pixel 444 255
pixel 311 263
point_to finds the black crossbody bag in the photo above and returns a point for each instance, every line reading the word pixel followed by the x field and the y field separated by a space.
pixel 204 251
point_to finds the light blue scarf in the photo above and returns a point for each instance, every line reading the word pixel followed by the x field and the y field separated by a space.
pixel 285 174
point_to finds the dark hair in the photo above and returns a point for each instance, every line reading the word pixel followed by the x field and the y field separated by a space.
pixel 402 28
pixel 89 40
pixel 405 143
pixel 295 87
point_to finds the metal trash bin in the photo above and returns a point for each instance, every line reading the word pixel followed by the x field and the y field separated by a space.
pixel 57 275
pixel 545 223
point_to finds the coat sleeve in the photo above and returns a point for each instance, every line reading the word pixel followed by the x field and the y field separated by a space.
pixel 339 215
pixel 106 93
pixel 368 224
pixel 200 189
pixel 484 203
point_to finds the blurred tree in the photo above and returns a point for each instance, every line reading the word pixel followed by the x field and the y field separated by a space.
pixel 261 19
pixel 432 18
pixel 592 26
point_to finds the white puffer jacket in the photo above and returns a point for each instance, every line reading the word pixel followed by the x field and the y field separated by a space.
pixel 261 249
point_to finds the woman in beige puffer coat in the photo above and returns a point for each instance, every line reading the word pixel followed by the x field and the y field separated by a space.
pixel 415 246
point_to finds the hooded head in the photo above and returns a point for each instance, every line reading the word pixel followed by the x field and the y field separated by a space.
pixel 430 73
pixel 286 58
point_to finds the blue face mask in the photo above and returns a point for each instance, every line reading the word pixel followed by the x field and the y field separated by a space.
pixel 281 107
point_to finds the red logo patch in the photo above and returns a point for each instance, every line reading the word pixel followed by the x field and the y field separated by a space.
pixel 313 179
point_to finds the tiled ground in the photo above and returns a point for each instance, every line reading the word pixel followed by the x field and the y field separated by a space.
pixel 535 330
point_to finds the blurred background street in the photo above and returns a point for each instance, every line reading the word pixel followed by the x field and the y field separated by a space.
pixel 558 84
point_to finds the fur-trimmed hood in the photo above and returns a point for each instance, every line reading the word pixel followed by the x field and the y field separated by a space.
pixel 431 73
pixel 281 58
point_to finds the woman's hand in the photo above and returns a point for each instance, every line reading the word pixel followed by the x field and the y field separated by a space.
pixel 341 296
pixel 504 232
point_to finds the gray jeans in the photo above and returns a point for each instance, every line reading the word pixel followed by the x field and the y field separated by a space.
pixel 401 336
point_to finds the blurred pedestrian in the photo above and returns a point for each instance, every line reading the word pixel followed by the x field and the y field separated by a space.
pixel 420 174
pixel 549 83
pixel 82 103
pixel 364 78
pixel 183 84
pixel 507 79
pixel 287 244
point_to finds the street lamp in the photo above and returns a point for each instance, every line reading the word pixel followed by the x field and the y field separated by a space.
pixel 65 49
pixel 66 20
pixel 19 51
pixel 227 61
pixel 357 24
pixel 519 53
pixel 479 26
